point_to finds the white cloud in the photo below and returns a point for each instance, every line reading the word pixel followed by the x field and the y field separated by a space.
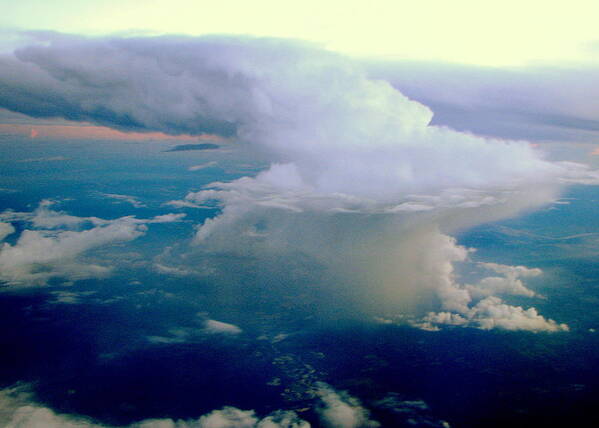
pixel 476 305
pixel 491 312
pixel 54 246
pixel 125 198
pixel 219 327
pixel 69 297
pixel 5 230
pixel 202 166
pixel 166 218
pixel 509 283
pixel 184 204
pixel 340 410
pixel 19 410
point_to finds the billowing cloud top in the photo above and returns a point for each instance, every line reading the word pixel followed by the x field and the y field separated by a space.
pixel 302 105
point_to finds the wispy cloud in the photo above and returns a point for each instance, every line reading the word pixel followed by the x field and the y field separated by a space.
pixel 202 166
pixel 124 198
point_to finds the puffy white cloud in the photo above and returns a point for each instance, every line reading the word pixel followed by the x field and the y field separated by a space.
pixel 53 248
pixel 476 305
pixel 166 218
pixel 340 410
pixel 509 283
pixel 19 410
pixel 219 327
pixel 491 312
pixel 40 255
pixel 5 230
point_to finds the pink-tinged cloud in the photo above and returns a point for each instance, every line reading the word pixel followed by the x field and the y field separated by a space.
pixel 92 132
pixel 595 152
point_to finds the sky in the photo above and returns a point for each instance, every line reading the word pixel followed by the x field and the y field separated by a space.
pixel 507 33
pixel 255 175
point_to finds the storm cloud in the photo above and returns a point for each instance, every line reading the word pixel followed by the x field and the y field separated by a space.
pixel 360 180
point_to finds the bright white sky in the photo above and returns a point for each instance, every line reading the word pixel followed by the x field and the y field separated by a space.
pixel 497 33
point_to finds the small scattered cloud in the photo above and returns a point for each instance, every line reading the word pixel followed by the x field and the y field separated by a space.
pixel 189 147
pixel 186 204
pixel 18 409
pixel 124 198
pixel 167 218
pixel 195 331
pixel 340 410
pixel 409 412
pixel 41 160
pixel 69 297
pixel 202 166
pixel 219 327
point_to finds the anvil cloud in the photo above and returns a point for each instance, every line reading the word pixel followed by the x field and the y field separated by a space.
pixel 359 178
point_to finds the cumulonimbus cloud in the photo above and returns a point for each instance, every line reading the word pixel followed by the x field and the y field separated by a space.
pixel 358 177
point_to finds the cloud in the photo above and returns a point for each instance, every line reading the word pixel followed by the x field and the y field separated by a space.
pixel 61 129
pixel 490 313
pixel 360 182
pixel 190 147
pixel 340 410
pixel 525 103
pixel 509 283
pixel 48 159
pixel 166 218
pixel 19 410
pixel 69 297
pixel 125 198
pixel 5 230
pixel 409 412
pixel 54 245
pixel 219 327
pixel 197 331
pixel 202 166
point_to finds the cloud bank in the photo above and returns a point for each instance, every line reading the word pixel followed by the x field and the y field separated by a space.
pixel 359 181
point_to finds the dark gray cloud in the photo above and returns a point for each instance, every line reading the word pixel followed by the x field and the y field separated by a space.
pixel 187 147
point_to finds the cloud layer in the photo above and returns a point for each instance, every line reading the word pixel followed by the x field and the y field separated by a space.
pixel 542 103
